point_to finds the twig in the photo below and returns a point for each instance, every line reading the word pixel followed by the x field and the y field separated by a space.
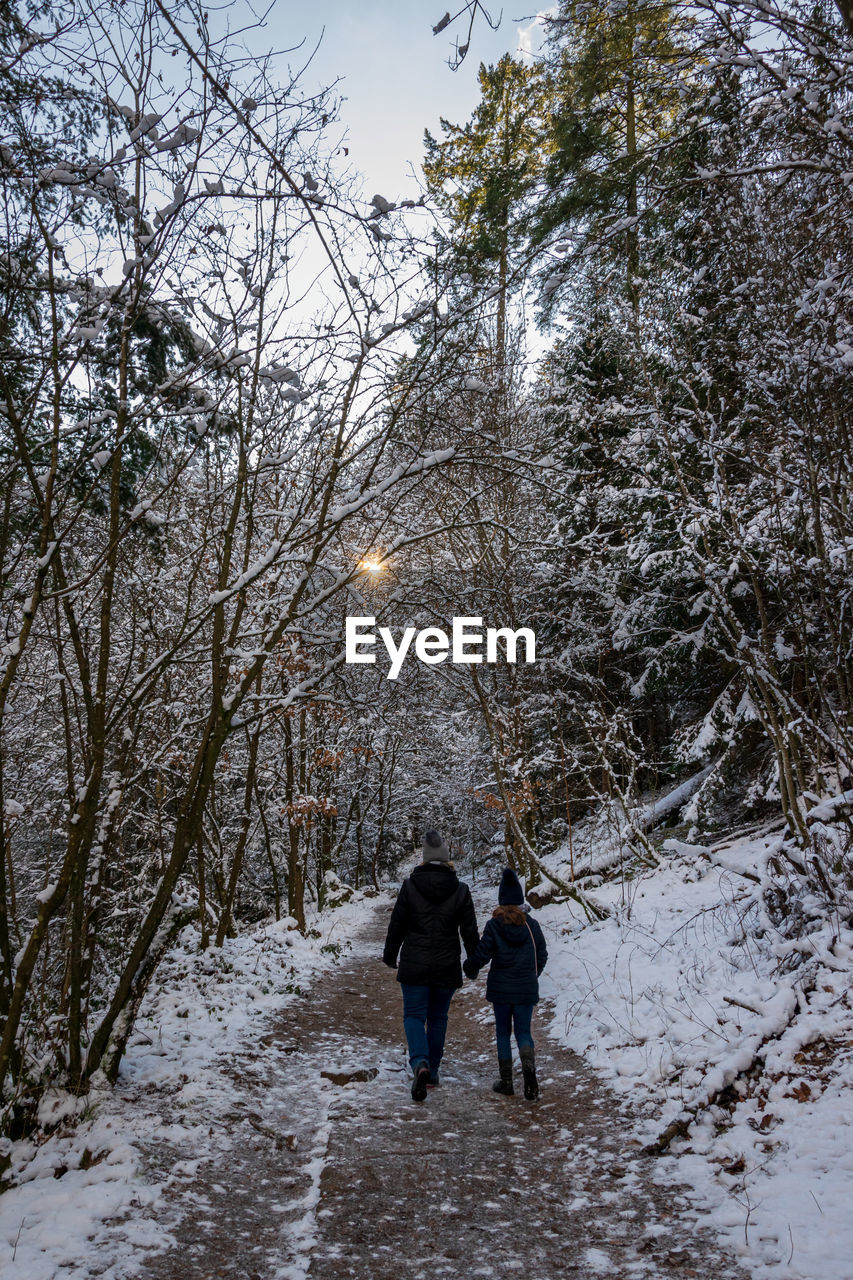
pixel 741 1005
pixel 748 1216
pixel 18 1236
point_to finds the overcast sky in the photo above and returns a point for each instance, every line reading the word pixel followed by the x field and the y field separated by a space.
pixel 393 73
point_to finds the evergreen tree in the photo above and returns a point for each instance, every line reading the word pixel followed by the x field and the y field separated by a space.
pixel 482 174
pixel 618 78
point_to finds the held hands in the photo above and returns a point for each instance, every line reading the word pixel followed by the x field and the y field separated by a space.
pixel 469 968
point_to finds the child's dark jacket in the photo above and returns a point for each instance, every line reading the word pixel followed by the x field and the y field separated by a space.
pixel 517 954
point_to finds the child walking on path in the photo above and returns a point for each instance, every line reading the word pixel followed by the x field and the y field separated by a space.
pixel 515 946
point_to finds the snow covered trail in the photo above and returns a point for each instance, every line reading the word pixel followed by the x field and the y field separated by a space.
pixel 342 1175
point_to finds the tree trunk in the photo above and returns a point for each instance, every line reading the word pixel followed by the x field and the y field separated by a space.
pixel 295 877
pixel 845 8
pixel 632 233
pixel 187 828
pixel 225 918
pixel 177 916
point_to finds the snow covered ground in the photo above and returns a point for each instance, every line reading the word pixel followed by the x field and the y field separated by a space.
pixel 86 1201
pixel 673 997
pixel 684 993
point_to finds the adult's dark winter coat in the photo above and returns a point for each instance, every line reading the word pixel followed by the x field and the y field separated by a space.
pixel 514 946
pixel 432 909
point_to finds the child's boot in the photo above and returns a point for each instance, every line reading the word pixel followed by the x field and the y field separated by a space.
pixel 528 1068
pixel 504 1084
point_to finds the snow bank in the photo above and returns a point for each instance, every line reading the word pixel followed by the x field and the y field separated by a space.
pixel 86 1199
pixel 674 998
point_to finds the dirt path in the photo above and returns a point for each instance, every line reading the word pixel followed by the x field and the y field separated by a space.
pixel 342 1175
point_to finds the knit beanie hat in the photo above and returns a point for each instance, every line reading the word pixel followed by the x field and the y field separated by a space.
pixel 510 893
pixel 435 850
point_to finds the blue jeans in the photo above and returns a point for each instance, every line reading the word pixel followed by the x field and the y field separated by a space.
pixel 425 1021
pixel 508 1016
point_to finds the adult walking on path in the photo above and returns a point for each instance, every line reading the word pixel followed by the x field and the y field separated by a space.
pixel 514 946
pixel 432 910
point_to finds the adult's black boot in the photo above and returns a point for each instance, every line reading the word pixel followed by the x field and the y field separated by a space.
pixel 528 1070
pixel 504 1084
pixel 419 1084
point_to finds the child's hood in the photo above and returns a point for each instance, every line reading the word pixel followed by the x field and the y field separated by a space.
pixel 515 934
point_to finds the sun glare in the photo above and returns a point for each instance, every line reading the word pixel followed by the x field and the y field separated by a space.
pixel 371 566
